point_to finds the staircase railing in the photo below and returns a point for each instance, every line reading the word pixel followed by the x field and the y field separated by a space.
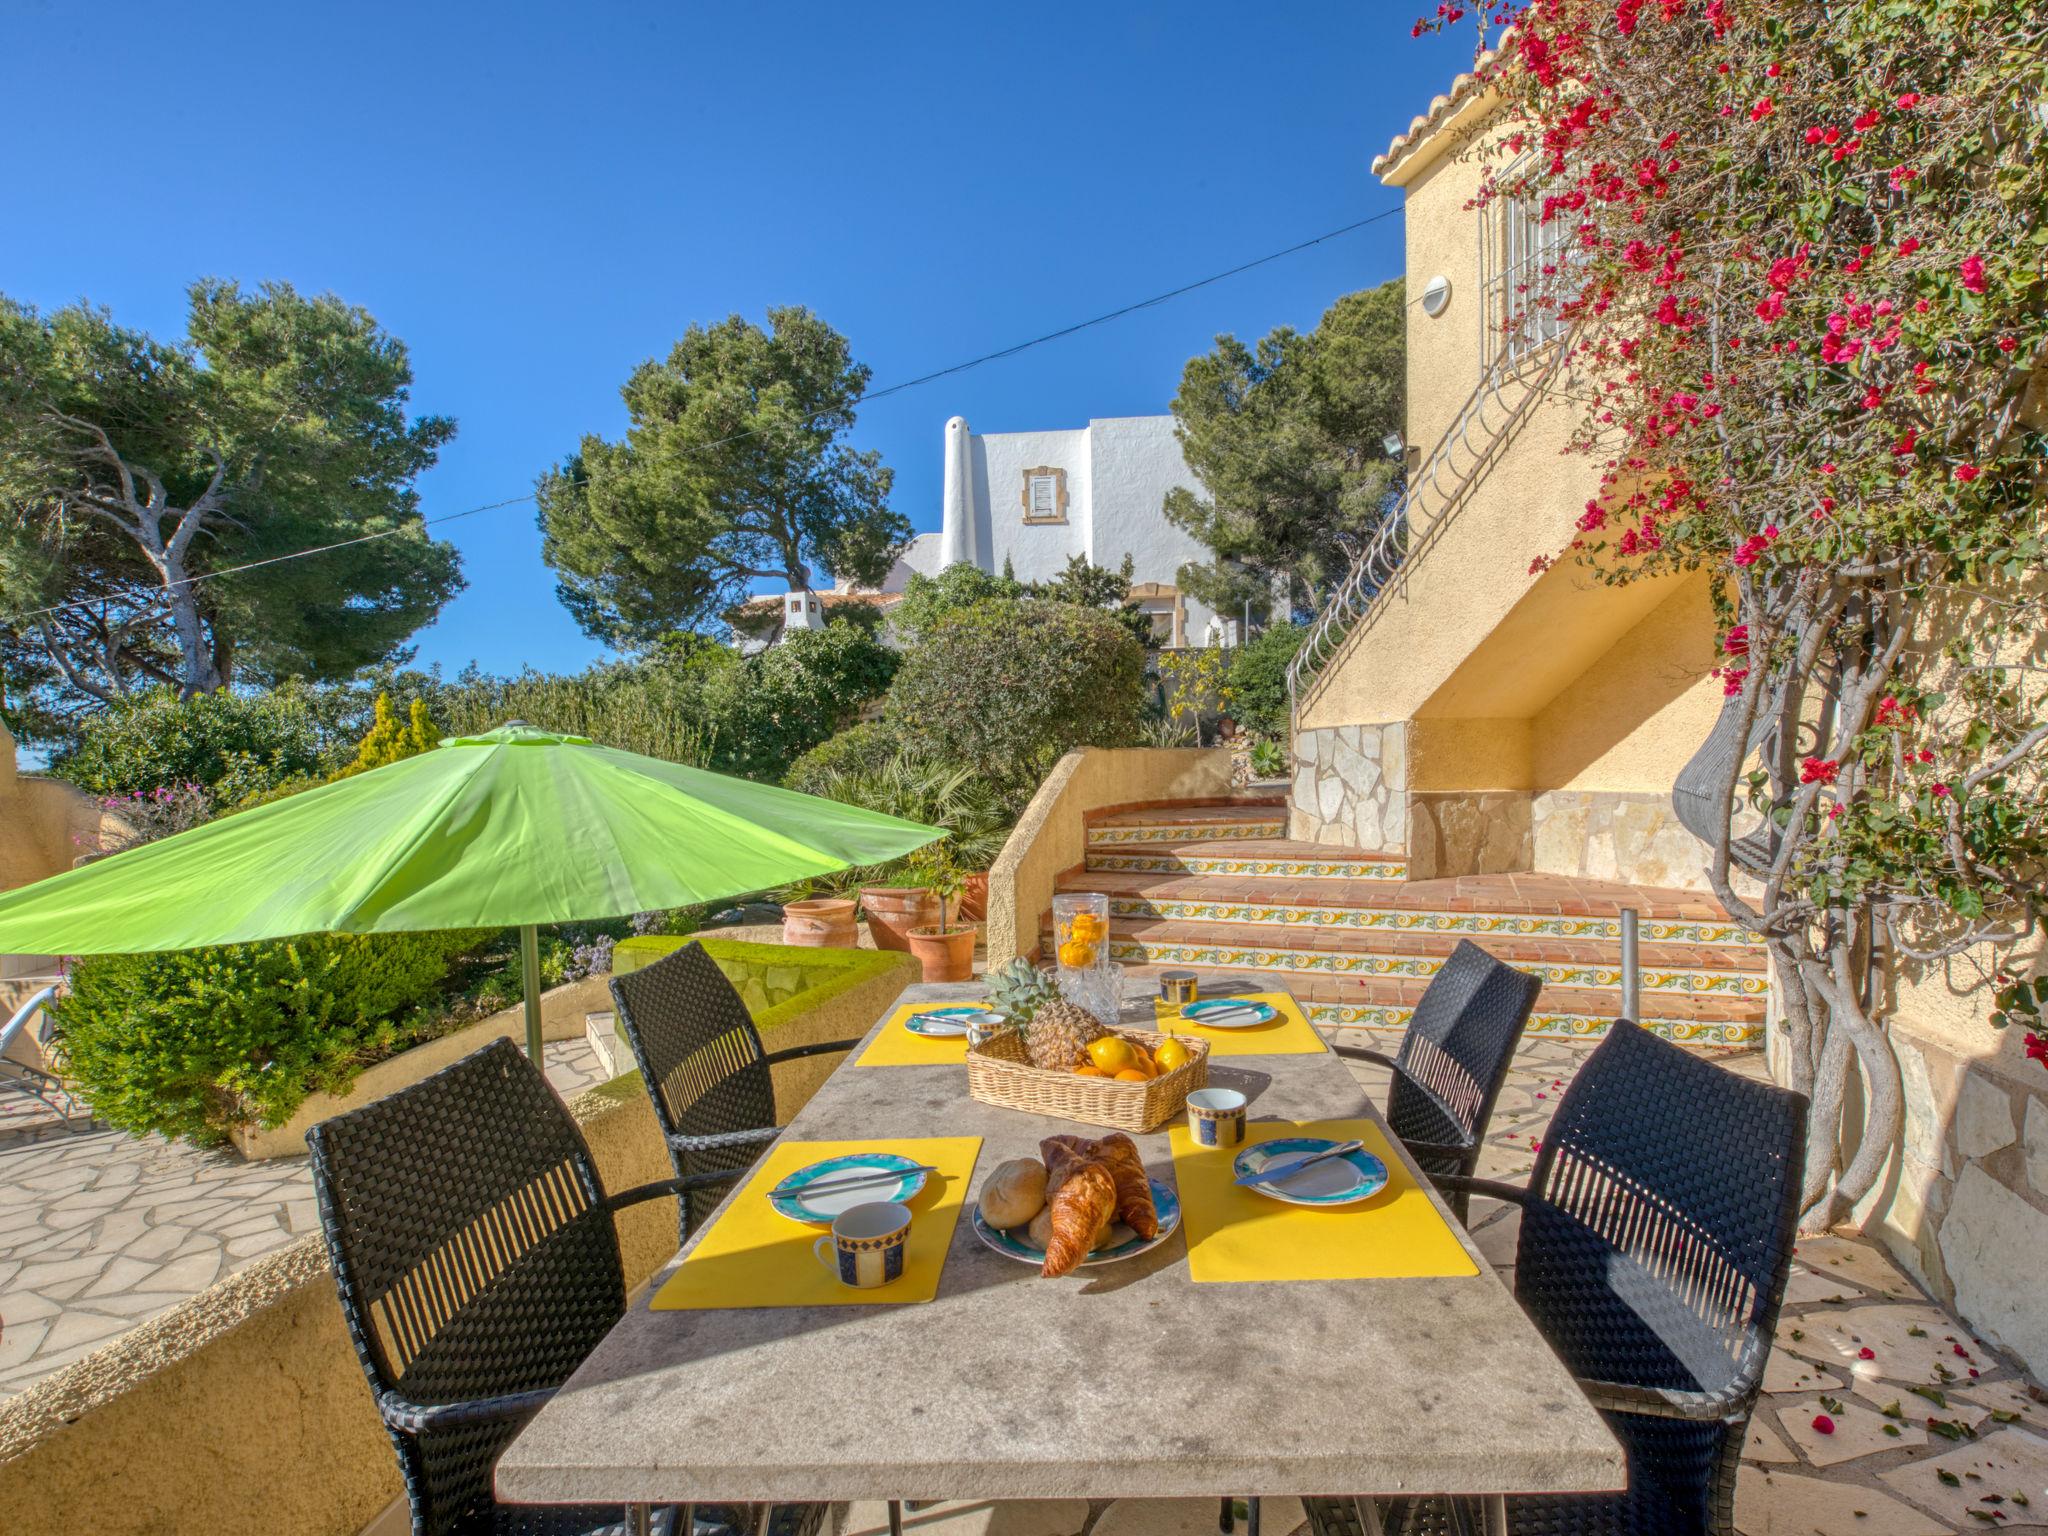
pixel 1455 465
pixel 22 1077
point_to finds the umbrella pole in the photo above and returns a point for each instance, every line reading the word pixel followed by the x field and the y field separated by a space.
pixel 529 975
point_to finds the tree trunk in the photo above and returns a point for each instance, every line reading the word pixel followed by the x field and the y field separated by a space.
pixel 199 671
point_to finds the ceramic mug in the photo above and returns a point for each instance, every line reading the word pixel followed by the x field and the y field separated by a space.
pixel 1216 1117
pixel 985 1025
pixel 866 1243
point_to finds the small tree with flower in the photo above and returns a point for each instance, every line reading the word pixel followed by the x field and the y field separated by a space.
pixel 1801 282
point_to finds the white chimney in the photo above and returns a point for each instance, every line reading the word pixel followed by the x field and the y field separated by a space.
pixel 957 542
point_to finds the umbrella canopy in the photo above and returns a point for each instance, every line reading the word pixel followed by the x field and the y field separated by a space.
pixel 512 828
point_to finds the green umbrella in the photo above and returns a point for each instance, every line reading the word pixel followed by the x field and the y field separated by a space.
pixel 513 828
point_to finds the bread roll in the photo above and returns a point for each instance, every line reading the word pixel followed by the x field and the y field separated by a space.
pixel 1014 1193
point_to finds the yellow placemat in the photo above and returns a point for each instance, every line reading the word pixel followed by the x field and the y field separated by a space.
pixel 1289 1035
pixel 895 1046
pixel 1234 1234
pixel 753 1256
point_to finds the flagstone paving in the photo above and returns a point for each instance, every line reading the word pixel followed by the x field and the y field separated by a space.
pixel 100 1230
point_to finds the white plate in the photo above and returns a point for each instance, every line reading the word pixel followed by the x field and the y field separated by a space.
pixel 818 1210
pixel 1342 1180
pixel 1251 1016
pixel 1014 1245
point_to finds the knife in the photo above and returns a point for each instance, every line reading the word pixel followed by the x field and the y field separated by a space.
pixel 851 1181
pixel 1273 1173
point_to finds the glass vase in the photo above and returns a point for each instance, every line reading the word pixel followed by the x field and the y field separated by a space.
pixel 1080 930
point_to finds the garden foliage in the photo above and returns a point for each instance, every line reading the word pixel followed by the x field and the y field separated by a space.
pixel 1010 686
pixel 230 744
pixel 193 1042
pixel 1255 685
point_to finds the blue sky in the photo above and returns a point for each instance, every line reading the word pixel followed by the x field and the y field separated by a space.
pixel 536 198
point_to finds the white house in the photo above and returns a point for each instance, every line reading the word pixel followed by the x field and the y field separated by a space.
pixel 1032 501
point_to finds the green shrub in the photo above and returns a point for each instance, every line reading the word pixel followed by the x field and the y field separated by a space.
pixel 193 1042
pixel 771 709
pixel 865 748
pixel 1255 688
pixel 232 744
pixel 1010 686
pixel 956 588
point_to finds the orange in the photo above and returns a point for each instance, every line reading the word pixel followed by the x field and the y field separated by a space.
pixel 1171 1055
pixel 1087 1071
pixel 1133 1075
pixel 1086 926
pixel 1076 955
pixel 1113 1054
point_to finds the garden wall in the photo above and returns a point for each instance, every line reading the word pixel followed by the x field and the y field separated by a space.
pixel 243 1410
pixel 1051 836
pixel 45 824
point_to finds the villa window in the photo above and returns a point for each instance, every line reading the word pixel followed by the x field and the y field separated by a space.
pixel 1045 495
pixel 1529 276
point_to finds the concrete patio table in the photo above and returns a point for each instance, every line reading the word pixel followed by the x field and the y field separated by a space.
pixel 1125 1381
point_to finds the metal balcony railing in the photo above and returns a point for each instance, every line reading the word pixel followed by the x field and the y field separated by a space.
pixel 1507 389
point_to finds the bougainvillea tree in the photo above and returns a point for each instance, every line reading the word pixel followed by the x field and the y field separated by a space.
pixel 1799 261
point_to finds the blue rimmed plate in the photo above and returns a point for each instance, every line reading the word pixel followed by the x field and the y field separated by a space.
pixel 950 1023
pixel 1334 1181
pixel 1126 1245
pixel 1229 1013
pixel 819 1209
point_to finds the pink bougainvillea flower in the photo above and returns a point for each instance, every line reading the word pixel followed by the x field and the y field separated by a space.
pixel 2037 1048
pixel 1823 1425
pixel 1828 468
pixel 1866 1353
pixel 1971 273
pixel 1763 109
pixel 1736 642
pixel 1908 101
pixel 1873 397
pixel 1967 472
pixel 2008 344
pixel 1866 121
pixel 1819 770
pixel 1731 680
pixel 1940 792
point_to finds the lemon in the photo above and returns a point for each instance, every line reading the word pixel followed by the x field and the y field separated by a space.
pixel 1113 1054
pixel 1171 1055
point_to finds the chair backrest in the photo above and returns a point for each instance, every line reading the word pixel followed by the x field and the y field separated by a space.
pixel 466 1229
pixel 1656 1248
pixel 1460 1041
pixel 702 1061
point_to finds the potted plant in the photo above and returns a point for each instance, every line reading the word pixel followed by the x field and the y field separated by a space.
pixel 945 949
pixel 821 921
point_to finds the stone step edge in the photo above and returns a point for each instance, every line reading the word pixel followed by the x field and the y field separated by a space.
pixel 1361 920
pixel 1675 981
pixel 1151 833
pixel 1393 1019
pixel 1102 861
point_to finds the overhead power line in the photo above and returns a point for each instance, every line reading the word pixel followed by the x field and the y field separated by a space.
pixel 871 396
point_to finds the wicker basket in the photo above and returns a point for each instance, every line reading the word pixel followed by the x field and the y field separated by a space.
pixel 999 1072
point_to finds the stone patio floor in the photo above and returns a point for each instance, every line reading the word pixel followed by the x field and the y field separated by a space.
pixel 1932 1433
pixel 100 1230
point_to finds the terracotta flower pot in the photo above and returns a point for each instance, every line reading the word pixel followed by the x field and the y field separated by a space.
pixel 822 922
pixel 946 954
pixel 893 910
pixel 974 899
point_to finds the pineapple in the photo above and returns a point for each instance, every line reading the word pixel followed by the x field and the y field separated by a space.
pixel 1020 989
pixel 1058 1035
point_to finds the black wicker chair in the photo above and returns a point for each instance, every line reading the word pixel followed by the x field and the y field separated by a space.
pixel 474 1251
pixel 1453 1059
pixel 704 1067
pixel 1656 1240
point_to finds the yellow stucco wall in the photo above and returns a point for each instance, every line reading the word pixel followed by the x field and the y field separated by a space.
pixel 1051 837
pixel 45 824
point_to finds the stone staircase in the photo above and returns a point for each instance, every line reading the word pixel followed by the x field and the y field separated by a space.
pixel 1218 889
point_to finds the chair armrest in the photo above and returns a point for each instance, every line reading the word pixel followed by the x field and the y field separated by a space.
pixel 1514 1194
pixel 1439 1149
pixel 757 1137
pixel 682 1186
pixel 423 1418
pixel 1365 1053
pixel 1667 1403
pixel 796 1052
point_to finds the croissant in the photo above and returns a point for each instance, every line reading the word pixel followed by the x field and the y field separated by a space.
pixel 1119 1154
pixel 1079 1208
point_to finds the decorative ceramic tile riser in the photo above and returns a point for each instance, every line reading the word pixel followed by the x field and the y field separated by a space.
pixel 1555 1026
pixel 1188 832
pixel 1218 864
pixel 1691 983
pixel 1401 920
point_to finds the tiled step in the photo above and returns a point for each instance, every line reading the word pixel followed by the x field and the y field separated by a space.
pixel 1383 1005
pixel 1248 859
pixel 1189 945
pixel 1155 825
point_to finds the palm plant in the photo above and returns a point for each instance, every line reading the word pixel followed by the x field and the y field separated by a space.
pixel 916 788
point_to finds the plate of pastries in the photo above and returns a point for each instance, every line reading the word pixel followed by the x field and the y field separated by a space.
pixel 1079 1202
